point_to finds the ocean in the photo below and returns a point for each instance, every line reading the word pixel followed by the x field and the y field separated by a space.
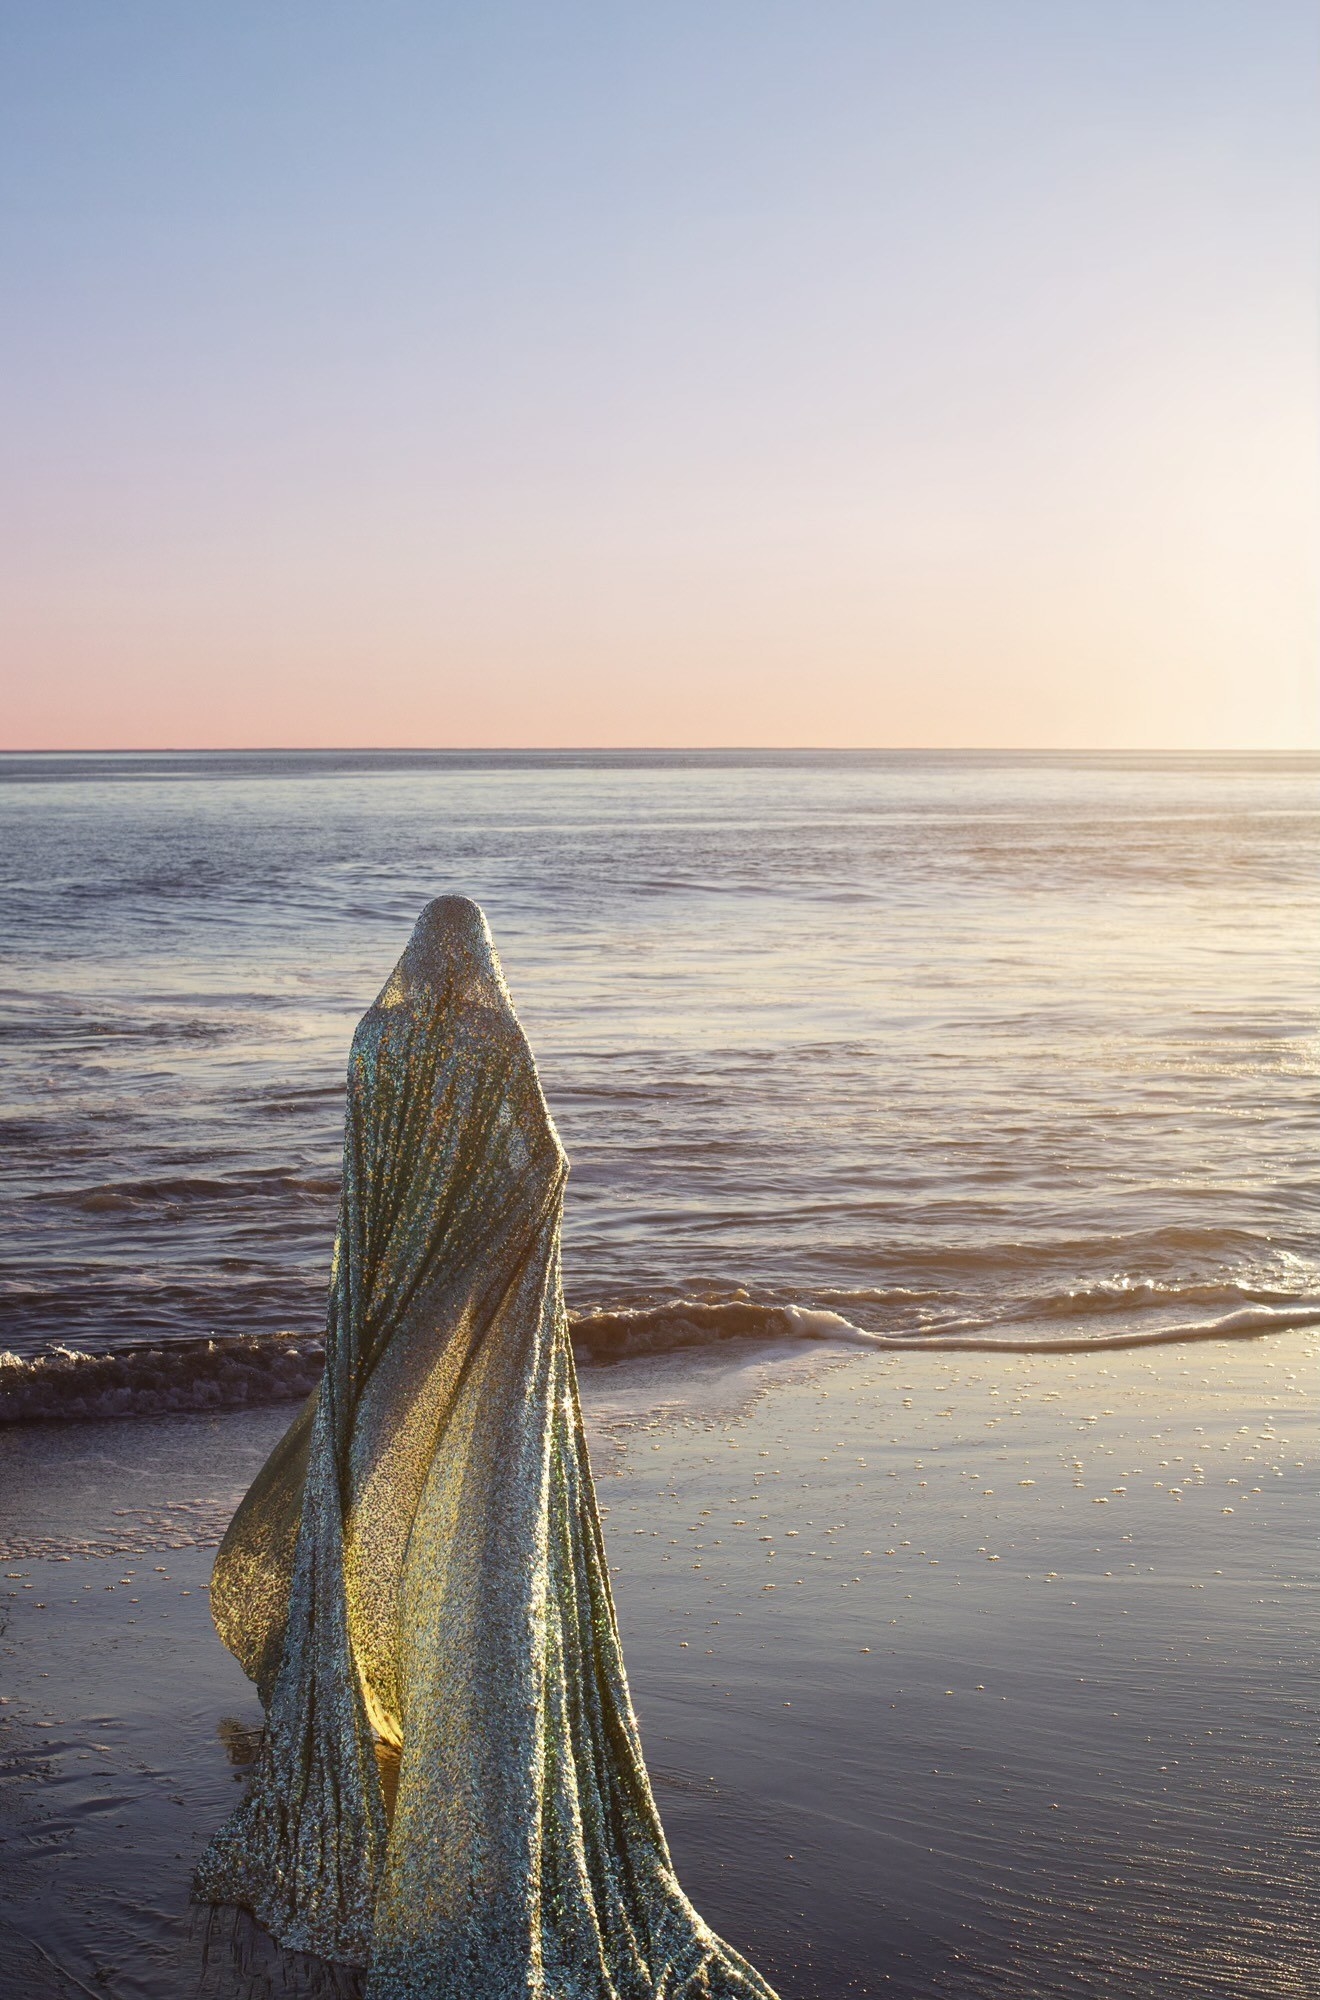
pixel 1010 1047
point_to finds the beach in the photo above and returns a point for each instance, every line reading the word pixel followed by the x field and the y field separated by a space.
pixel 938 1248
pixel 957 1674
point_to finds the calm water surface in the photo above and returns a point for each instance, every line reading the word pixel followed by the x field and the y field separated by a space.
pixel 943 1042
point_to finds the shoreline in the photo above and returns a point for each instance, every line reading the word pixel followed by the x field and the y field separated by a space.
pixel 217 1372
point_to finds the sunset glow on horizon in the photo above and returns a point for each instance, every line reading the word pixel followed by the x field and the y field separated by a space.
pixel 770 375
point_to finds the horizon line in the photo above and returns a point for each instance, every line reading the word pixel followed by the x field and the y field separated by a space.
pixel 663 749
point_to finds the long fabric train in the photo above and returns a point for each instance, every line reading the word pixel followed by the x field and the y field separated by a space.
pixel 419 1565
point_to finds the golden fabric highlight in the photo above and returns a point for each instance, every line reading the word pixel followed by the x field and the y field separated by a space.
pixel 416 1580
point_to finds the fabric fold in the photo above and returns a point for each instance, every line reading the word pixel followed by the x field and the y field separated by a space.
pixel 420 1564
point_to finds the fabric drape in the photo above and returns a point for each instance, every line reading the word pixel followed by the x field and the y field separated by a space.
pixel 417 1578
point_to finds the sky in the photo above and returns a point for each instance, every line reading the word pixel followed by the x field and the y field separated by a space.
pixel 702 372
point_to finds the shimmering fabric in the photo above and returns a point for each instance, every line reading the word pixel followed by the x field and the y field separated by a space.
pixel 420 1564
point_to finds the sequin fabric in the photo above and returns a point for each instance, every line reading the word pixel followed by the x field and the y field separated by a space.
pixel 451 1789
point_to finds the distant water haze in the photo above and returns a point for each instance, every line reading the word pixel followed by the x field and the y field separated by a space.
pixel 960 1049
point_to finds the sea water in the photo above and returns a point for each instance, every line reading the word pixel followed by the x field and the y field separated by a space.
pixel 950 1045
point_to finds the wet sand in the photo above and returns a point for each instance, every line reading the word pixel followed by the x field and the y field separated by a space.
pixel 965 1675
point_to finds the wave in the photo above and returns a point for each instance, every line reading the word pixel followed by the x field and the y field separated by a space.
pixel 1248 1323
pixel 65 1384
pixel 172 1191
pixel 1115 1295
pixel 628 1334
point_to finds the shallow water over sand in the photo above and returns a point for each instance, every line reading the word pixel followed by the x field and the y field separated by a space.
pixel 959 1676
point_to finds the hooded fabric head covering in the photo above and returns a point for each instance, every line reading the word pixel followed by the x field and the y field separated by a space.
pixel 420 1563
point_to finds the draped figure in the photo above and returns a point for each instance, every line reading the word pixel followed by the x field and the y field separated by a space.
pixel 416 1580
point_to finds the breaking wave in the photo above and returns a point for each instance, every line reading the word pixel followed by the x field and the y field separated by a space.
pixel 65 1384
pixel 622 1335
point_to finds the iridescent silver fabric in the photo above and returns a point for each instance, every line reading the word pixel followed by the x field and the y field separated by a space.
pixel 451 1789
